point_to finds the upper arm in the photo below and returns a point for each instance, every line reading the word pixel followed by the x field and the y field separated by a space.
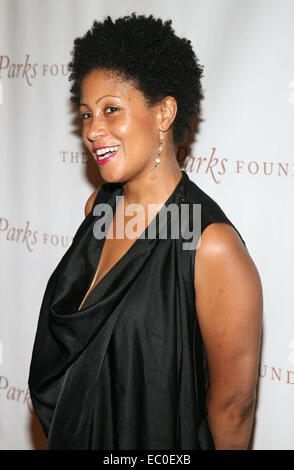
pixel 229 307
pixel 90 201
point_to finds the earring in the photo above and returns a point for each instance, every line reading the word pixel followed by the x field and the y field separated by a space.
pixel 154 172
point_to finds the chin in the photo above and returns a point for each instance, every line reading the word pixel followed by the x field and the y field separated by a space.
pixel 120 174
pixel 111 175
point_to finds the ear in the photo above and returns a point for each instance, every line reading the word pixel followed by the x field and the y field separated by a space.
pixel 167 111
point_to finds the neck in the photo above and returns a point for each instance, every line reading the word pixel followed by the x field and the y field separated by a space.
pixel 144 190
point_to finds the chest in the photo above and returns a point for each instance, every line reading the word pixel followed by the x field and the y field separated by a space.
pixel 121 235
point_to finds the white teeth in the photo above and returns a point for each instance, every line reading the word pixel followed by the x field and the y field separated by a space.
pixel 106 150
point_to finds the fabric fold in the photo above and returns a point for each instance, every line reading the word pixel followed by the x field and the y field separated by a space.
pixel 129 370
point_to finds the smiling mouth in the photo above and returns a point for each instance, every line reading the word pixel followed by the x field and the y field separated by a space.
pixel 106 152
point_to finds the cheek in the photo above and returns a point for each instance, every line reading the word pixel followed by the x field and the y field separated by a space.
pixel 141 128
pixel 85 134
pixel 145 123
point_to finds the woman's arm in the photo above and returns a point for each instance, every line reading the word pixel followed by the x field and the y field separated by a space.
pixel 229 305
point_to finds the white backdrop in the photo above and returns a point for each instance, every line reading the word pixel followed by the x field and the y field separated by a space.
pixel 242 157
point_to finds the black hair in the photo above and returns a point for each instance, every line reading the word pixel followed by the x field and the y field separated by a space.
pixel 147 51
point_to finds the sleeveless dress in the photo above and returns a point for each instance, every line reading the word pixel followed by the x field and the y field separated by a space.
pixel 129 370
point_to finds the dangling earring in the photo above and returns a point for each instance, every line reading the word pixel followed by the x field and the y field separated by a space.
pixel 154 173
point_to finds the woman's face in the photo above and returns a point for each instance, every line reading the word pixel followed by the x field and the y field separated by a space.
pixel 115 114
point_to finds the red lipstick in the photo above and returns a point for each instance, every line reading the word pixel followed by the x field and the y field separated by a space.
pixel 104 159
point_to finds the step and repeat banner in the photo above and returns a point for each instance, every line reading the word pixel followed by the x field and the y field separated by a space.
pixel 241 155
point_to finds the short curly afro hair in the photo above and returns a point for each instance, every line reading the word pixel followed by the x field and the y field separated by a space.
pixel 144 50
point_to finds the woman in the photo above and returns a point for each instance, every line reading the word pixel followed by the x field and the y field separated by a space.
pixel 144 342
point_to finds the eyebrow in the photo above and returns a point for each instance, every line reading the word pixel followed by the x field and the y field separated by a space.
pixel 105 96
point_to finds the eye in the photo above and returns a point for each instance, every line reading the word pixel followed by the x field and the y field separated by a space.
pixel 85 115
pixel 112 108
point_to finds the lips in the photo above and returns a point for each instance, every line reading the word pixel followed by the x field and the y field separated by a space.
pixel 105 154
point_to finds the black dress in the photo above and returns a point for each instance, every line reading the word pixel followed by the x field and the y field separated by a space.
pixel 129 370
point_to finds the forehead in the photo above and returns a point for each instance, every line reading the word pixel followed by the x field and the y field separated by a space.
pixel 99 83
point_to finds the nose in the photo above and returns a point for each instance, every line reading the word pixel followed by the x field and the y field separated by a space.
pixel 96 131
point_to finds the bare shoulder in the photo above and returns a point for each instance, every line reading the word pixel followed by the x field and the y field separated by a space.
pixel 90 201
pixel 222 250
pixel 229 307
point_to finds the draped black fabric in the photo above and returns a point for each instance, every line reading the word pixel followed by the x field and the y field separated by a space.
pixel 129 370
